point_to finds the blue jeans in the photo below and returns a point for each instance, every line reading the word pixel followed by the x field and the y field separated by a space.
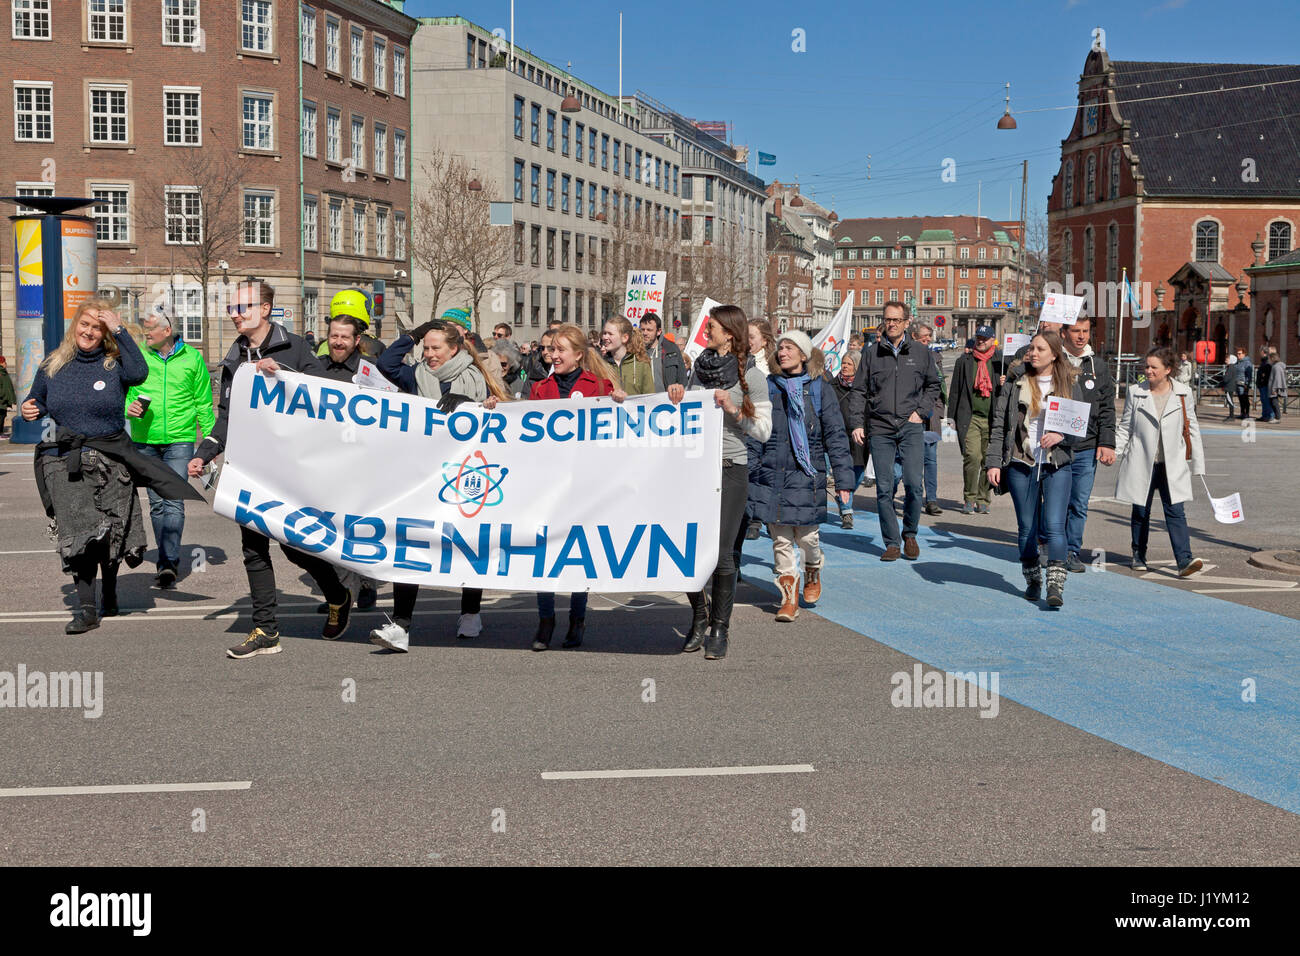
pixel 1266 410
pixel 168 516
pixel 1083 472
pixel 1040 503
pixel 858 472
pixel 904 445
pixel 577 605
pixel 1175 520
pixel 931 471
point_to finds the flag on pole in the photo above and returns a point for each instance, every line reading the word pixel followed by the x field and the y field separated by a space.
pixel 1130 297
pixel 834 339
pixel 766 159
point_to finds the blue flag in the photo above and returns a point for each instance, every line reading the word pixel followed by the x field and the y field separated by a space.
pixel 766 159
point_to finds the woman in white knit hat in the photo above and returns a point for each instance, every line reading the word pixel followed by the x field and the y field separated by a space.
pixel 789 489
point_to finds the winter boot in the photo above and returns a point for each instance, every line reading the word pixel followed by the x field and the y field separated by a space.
pixel 545 628
pixel 1056 583
pixel 699 622
pixel 724 595
pixel 1033 581
pixel 812 584
pixel 789 585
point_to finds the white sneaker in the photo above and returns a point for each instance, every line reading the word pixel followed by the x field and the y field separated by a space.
pixel 469 625
pixel 393 637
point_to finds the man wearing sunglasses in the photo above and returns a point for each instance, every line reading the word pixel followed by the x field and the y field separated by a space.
pixel 272 347
pixel 501 331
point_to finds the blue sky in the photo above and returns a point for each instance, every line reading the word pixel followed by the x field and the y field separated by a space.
pixel 909 84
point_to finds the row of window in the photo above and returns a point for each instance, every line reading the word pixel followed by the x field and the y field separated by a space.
pixel 109 21
pixel 927 252
pixel 356 158
pixel 940 272
pixel 580 141
pixel 183 219
pixel 984 297
pixel 1206 243
pixel 584 249
pixel 1090 177
pixel 357 48
pixel 576 306
pixel 477 51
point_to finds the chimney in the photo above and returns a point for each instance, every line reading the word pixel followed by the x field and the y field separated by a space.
pixel 776 210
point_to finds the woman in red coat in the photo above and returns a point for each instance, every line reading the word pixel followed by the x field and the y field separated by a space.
pixel 577 371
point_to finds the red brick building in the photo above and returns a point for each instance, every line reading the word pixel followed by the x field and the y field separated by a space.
pixel 149 105
pixel 790 261
pixel 1172 171
pixel 953 270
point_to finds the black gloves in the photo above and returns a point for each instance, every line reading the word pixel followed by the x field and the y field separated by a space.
pixel 449 402
pixel 420 331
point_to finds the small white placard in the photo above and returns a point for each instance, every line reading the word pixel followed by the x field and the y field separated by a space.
pixel 1061 308
pixel 1012 343
pixel 370 377
pixel 1066 416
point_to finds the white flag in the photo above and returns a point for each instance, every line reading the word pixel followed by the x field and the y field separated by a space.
pixel 1226 510
pixel 834 339
pixel 699 339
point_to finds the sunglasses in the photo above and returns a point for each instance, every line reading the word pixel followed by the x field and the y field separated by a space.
pixel 499 335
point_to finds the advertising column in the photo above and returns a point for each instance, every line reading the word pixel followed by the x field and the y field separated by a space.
pixel 55 258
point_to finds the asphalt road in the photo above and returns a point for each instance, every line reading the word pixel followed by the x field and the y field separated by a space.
pixel 440 758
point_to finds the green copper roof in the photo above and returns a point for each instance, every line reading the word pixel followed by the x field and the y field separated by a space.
pixel 936 235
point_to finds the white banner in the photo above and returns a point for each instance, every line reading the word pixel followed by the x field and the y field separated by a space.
pixel 834 339
pixel 566 495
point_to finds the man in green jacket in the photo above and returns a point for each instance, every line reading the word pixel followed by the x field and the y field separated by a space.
pixel 168 414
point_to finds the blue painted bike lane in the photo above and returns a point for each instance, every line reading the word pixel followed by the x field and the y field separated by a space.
pixel 1153 668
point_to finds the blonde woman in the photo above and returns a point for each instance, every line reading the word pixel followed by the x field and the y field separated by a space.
pixel 625 350
pixel 453 373
pixel 88 492
pixel 1159 442
pixel 577 371
pixel 1033 463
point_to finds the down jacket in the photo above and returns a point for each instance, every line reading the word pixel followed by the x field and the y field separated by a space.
pixel 780 492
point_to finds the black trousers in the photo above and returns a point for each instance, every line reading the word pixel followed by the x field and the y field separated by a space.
pixel 261 576
pixel 1244 399
pixel 405 595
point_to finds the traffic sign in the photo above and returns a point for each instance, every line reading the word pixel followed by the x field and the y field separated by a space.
pixel 940 321
pixel 277 313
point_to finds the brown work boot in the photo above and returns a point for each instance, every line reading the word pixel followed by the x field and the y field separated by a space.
pixel 812 584
pixel 911 550
pixel 789 585
pixel 891 553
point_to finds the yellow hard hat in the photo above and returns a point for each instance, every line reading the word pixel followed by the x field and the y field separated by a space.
pixel 350 303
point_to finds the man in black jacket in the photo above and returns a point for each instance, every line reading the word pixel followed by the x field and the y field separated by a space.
pixel 665 356
pixel 1098 445
pixel 272 347
pixel 895 389
pixel 975 381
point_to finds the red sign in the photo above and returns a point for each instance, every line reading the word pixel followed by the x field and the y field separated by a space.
pixel 940 321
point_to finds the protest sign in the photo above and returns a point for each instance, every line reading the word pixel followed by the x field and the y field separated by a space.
pixel 645 293
pixel 1013 342
pixel 1066 416
pixel 1226 510
pixel 699 340
pixel 368 376
pixel 1061 308
pixel 530 496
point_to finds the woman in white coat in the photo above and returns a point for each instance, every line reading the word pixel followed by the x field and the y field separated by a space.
pixel 1159 443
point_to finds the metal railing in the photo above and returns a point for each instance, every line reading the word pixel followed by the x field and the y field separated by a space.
pixel 1207 381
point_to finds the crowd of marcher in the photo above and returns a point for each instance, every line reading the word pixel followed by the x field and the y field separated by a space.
pixel 794 432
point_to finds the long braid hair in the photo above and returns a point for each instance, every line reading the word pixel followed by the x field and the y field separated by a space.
pixel 736 325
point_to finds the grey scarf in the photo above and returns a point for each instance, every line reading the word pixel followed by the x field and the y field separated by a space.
pixel 428 380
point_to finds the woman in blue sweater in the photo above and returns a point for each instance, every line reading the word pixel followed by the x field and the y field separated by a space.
pixel 82 387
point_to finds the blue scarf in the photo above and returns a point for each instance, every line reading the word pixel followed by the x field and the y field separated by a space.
pixel 794 410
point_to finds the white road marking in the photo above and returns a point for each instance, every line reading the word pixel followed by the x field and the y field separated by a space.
pixel 1237 590
pixel 124 788
pixel 674 772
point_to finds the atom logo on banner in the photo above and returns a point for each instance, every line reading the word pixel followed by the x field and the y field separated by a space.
pixel 471 487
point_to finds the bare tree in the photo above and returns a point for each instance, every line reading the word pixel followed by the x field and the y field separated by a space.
pixel 638 243
pixel 439 213
pixel 198 206
pixel 486 258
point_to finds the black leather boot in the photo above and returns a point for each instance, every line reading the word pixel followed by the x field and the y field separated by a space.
pixel 699 622
pixel 574 637
pixel 545 628
pixel 84 620
pixel 724 595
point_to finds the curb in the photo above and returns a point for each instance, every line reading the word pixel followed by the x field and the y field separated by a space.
pixel 1268 561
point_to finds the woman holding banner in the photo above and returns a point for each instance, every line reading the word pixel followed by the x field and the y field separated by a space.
pixel 577 371
pixel 1159 443
pixel 453 373
pixel 740 390
pixel 625 350
pixel 1032 463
